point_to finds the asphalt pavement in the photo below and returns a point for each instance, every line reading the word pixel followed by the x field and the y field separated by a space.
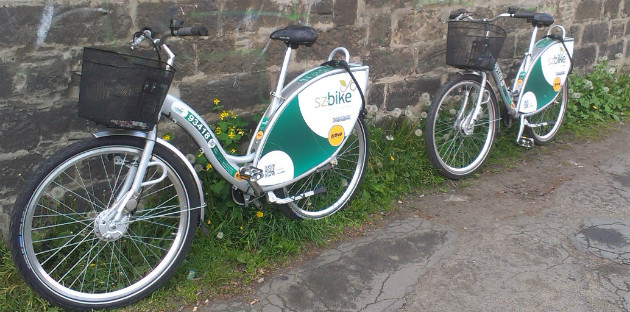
pixel 549 233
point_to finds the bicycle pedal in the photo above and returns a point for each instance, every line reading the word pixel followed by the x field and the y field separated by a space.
pixel 526 142
pixel 237 196
pixel 251 173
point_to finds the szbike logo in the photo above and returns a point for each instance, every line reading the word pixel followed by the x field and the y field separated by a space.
pixel 259 135
pixel 335 135
pixel 560 58
pixel 343 96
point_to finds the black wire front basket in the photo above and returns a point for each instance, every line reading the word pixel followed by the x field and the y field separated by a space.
pixel 122 91
pixel 473 45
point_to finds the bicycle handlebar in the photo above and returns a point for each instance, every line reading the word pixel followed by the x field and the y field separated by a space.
pixel 539 19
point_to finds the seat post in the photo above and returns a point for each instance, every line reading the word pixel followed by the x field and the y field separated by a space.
pixel 277 95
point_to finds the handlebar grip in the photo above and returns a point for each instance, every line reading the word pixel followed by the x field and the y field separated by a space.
pixel 524 15
pixel 192 31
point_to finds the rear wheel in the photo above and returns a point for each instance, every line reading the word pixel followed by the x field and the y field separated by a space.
pixel 334 183
pixel 452 147
pixel 544 125
pixel 70 257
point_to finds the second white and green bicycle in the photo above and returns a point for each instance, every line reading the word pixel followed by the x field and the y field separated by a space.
pixel 464 115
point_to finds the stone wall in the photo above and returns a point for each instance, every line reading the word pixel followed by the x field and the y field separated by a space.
pixel 403 41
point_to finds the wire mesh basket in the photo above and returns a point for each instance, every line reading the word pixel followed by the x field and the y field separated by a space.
pixel 473 45
pixel 122 91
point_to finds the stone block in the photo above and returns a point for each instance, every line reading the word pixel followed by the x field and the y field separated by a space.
pixel 235 92
pixel 346 36
pixel 220 57
pixel 376 95
pixel 7 71
pixel 17 170
pixel 380 31
pixel 386 62
pixel 324 7
pixel 87 25
pixel 612 49
pixel 617 29
pixel 611 8
pixel 431 56
pixel 391 3
pixel 595 33
pixel 409 92
pixel 588 9
pixel 34 125
pixel 16 121
pixel 60 120
pixel 344 12
pixel 509 48
pixel 41 78
pixel 575 31
pixel 19 24
pixel 412 28
pixel 584 56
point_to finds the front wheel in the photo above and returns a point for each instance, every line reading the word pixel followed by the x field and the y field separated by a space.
pixel 69 257
pixel 456 141
pixel 543 126
pixel 334 183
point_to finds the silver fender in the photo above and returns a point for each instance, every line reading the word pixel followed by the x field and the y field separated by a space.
pixel 140 134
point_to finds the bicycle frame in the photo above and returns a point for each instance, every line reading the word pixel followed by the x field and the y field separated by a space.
pixel 513 99
pixel 228 166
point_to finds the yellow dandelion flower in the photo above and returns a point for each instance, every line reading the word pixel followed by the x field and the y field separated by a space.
pixel 208 166
pixel 232 115
pixel 223 115
pixel 208 222
pixel 240 227
pixel 391 157
pixel 166 137
pixel 259 214
pixel 217 130
pixel 216 101
pixel 233 151
pixel 240 132
pixel 231 135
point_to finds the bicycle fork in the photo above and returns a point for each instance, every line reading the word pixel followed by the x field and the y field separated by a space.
pixel 112 223
pixel 467 123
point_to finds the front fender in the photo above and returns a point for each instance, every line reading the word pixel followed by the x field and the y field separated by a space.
pixel 140 134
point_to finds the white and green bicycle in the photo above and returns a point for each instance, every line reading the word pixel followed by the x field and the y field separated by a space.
pixel 104 222
pixel 464 115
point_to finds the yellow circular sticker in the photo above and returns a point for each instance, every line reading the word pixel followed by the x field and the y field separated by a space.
pixel 556 84
pixel 335 135
pixel 259 135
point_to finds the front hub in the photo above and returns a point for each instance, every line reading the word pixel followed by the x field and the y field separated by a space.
pixel 109 230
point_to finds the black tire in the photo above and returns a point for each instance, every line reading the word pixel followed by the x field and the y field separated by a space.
pixel 452 151
pixel 549 119
pixel 67 258
pixel 340 180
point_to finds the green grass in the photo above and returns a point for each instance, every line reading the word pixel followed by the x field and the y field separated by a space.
pixel 242 246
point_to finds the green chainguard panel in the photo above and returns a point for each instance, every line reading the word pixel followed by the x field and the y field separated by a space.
pixel 537 84
pixel 291 134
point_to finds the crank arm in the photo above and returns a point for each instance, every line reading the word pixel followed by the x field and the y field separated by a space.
pixel 274 199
